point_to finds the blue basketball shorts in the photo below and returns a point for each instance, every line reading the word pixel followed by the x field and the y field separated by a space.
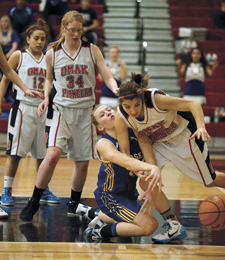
pixel 118 207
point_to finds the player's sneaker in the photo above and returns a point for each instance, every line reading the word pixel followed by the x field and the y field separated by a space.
pixel 6 199
pixel 91 226
pixel 96 232
pixel 49 197
pixel 30 209
pixel 72 207
pixel 3 214
pixel 83 210
pixel 30 232
pixel 175 231
pixel 94 228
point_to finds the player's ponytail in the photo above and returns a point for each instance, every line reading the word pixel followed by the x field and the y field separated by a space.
pixel 134 88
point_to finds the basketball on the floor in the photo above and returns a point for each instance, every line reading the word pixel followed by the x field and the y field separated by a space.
pixel 212 212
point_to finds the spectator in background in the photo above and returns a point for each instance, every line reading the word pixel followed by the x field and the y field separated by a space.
pixel 9 40
pixel 195 71
pixel 90 21
pixel 56 7
pixel 101 2
pixel 219 18
pixel 118 69
pixel 21 16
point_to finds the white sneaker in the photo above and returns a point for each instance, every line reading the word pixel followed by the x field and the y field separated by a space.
pixel 175 231
pixel 91 225
pixel 82 211
pixel 96 232
pixel 94 228
pixel 3 214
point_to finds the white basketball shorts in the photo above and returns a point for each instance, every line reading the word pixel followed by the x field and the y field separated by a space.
pixel 190 157
pixel 72 131
pixel 26 131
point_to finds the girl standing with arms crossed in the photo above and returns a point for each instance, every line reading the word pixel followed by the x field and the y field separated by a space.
pixel 71 67
pixel 26 130
pixel 168 129
pixel 195 71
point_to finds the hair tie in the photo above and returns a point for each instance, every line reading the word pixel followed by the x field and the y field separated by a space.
pixel 35 28
pixel 128 95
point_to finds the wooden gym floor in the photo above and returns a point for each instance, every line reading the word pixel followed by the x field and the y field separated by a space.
pixel 53 235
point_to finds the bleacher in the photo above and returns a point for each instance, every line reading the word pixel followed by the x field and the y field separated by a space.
pixel 199 14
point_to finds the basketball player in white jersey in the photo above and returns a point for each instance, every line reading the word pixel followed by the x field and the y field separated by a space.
pixel 71 65
pixel 11 75
pixel 168 129
pixel 26 130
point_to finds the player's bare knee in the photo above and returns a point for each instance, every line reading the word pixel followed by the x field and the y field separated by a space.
pixel 53 159
pixel 82 165
pixel 151 228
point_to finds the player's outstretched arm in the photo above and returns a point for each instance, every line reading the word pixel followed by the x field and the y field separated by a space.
pixel 109 153
pixel 8 70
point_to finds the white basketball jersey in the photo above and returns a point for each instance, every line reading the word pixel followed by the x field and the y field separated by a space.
pixel 33 74
pixel 115 70
pixel 157 124
pixel 195 71
pixel 75 77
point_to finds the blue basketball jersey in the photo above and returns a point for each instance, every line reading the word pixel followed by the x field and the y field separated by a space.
pixel 116 179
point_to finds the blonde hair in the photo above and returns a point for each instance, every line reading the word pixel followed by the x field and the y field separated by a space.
pixel 93 118
pixel 68 17
pixel 9 32
pixel 114 47
pixel 134 88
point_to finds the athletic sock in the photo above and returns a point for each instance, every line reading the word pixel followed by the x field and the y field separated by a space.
pixel 75 196
pixel 109 230
pixel 168 215
pixel 8 181
pixel 37 193
pixel 91 213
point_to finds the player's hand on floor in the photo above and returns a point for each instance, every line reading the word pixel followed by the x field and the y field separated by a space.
pixel 201 133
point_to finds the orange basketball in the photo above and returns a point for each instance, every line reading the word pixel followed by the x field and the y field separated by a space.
pixel 212 212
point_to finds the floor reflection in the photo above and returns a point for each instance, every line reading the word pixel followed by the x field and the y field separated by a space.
pixel 51 224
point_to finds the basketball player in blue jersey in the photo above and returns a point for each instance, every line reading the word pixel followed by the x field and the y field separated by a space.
pixel 168 129
pixel 71 68
pixel 26 130
pixel 116 192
